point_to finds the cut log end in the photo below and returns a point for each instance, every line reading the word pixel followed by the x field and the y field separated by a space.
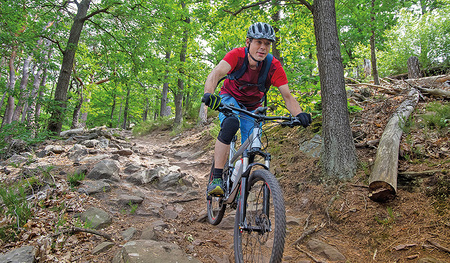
pixel 381 192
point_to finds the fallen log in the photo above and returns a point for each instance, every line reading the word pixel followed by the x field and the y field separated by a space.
pixel 435 92
pixel 383 178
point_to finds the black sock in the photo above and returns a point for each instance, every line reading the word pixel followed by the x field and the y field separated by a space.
pixel 217 173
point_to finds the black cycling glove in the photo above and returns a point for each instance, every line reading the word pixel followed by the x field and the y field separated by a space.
pixel 211 100
pixel 304 118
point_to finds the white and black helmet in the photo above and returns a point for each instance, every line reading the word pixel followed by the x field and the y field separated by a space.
pixel 261 30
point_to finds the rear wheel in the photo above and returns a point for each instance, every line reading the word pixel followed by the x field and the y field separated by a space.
pixel 215 206
pixel 260 235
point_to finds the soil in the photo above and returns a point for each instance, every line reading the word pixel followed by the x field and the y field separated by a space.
pixel 413 226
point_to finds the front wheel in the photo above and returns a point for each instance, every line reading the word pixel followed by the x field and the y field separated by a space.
pixel 259 232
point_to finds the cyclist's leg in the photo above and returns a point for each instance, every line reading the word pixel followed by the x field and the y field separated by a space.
pixel 229 126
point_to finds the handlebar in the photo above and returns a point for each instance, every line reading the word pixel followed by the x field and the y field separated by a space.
pixel 260 115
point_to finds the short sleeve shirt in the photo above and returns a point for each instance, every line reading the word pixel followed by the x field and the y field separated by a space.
pixel 245 90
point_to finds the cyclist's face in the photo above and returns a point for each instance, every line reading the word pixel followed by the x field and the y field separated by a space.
pixel 259 48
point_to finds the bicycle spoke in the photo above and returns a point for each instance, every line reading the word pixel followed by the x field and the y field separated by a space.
pixel 261 237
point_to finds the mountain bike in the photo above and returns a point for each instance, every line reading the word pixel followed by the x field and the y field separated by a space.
pixel 251 189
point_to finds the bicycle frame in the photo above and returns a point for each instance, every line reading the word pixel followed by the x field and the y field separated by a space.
pixel 250 148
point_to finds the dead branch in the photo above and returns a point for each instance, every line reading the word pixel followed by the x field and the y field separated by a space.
pixel 371 144
pixel 435 92
pixel 391 91
pixel 246 7
pixel 308 232
pixel 436 244
pixel 183 200
pixel 74 230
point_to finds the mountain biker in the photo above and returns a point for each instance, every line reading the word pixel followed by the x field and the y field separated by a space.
pixel 244 93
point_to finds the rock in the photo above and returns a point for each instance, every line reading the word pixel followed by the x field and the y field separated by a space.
pixel 96 218
pixel 105 169
pixel 71 132
pixel 102 247
pixel 90 143
pixel 123 152
pixel 312 147
pixel 132 168
pixel 325 250
pixel 24 254
pixel 130 199
pixel 129 233
pixel 170 180
pixel 147 176
pixel 93 187
pixel 141 251
pixel 17 160
pixel 58 149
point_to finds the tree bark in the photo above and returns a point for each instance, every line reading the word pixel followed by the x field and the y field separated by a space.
pixel 23 96
pixel 12 82
pixel 165 90
pixel 338 151
pixel 58 111
pixel 413 68
pixel 436 92
pixel 373 55
pixel 125 110
pixel 383 178
pixel 179 94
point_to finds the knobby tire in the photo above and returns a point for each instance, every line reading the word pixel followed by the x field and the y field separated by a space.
pixel 251 246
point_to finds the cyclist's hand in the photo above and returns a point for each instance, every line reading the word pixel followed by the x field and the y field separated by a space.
pixel 304 118
pixel 211 100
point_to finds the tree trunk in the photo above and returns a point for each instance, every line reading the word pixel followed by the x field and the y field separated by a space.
pixel 23 95
pixel 202 114
pixel 338 151
pixel 276 17
pixel 85 112
pixel 383 178
pixel 77 109
pixel 413 68
pixel 113 108
pixel 179 95
pixel 58 111
pixel 125 111
pixel 373 55
pixel 12 82
pixel 39 81
pixel 165 90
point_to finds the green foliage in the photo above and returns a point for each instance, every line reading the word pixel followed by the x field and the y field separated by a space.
pixel 388 220
pixel 438 116
pixel 20 131
pixel 16 207
pixel 75 179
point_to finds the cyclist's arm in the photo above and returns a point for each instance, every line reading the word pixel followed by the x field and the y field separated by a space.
pixel 291 103
pixel 216 74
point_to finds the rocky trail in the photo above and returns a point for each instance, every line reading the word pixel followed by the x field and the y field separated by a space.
pixel 142 199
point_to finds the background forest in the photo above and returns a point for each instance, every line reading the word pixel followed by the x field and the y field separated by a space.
pixel 125 63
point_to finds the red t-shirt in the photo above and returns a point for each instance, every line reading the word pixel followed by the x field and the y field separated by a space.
pixel 245 90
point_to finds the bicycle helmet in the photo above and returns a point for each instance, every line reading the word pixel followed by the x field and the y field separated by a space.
pixel 261 30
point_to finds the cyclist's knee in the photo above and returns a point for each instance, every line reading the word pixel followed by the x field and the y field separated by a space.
pixel 228 128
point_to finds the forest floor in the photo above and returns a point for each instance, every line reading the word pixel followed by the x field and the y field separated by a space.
pixel 413 227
